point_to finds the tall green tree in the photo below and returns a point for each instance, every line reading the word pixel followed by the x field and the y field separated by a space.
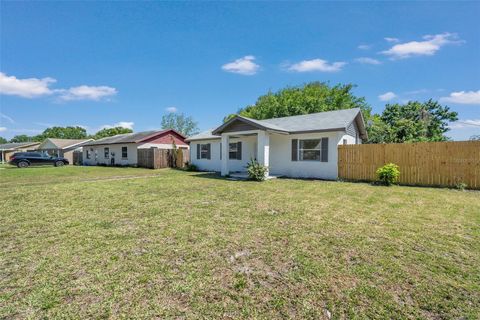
pixel 181 123
pixel 23 138
pixel 64 133
pixel 109 132
pixel 3 140
pixel 308 98
pixel 411 122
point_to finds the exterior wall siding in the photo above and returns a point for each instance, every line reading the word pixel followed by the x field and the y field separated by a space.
pixel 116 148
pixel 239 126
pixel 167 139
pixel 281 157
pixel 249 151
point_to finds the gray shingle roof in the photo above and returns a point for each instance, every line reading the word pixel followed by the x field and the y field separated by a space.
pixel 14 145
pixel 321 121
pixel 124 138
pixel 65 143
pixel 315 121
pixel 205 135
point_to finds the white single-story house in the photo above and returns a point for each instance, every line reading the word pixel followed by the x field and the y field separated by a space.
pixel 62 147
pixel 303 146
pixel 122 148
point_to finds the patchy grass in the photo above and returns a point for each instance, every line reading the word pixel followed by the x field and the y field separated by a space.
pixel 189 245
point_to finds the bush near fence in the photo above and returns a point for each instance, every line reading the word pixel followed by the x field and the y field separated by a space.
pixel 424 163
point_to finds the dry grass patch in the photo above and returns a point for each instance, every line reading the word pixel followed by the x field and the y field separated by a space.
pixel 190 245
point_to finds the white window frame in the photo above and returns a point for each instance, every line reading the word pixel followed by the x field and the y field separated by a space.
pixel 230 150
pixel 106 153
pixel 300 149
pixel 125 152
pixel 204 151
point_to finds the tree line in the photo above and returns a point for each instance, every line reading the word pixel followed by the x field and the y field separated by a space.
pixel 70 132
pixel 414 121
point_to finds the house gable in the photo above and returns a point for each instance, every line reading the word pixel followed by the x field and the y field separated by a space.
pixel 239 125
pixel 166 138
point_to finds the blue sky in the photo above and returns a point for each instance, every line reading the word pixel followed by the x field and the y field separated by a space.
pixel 107 63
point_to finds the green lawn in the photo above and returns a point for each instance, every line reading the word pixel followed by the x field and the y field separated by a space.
pixel 98 242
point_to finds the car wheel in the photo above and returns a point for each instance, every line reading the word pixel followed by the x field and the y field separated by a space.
pixel 59 164
pixel 23 164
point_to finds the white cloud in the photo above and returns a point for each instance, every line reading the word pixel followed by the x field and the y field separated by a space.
pixel 428 47
pixel 123 124
pixel 27 88
pixel 84 92
pixel 245 66
pixel 389 39
pixel 461 124
pixel 4 116
pixel 364 47
pixel 387 96
pixel 366 60
pixel 317 65
pixel 24 131
pixel 171 109
pixel 463 97
pixel 34 88
pixel 3 129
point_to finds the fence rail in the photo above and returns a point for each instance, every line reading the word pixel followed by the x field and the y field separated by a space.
pixel 424 163
pixel 154 158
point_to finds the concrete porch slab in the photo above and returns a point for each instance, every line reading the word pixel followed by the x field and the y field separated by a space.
pixel 244 176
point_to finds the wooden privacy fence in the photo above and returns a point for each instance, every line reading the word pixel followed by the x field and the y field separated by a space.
pixel 154 158
pixel 77 158
pixel 423 163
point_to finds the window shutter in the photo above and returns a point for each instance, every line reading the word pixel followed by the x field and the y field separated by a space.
pixel 324 149
pixel 208 152
pixel 294 149
pixel 239 150
pixel 198 151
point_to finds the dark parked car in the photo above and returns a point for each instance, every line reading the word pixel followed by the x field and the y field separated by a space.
pixel 26 159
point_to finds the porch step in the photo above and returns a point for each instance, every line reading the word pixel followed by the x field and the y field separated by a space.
pixel 236 176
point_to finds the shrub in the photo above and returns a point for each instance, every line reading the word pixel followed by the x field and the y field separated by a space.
pixel 388 174
pixel 256 171
pixel 461 186
pixel 191 167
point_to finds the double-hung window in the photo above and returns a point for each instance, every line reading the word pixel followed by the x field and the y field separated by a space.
pixel 88 154
pixel 309 150
pixel 235 151
pixel 124 153
pixel 203 151
pixel 106 153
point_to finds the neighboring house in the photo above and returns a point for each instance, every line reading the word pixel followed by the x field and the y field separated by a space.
pixel 8 149
pixel 298 146
pixel 122 148
pixel 62 147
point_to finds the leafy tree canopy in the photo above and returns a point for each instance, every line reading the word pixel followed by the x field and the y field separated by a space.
pixel 109 132
pixel 23 138
pixel 63 133
pixel 181 123
pixel 411 122
pixel 308 98
pixel 3 140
